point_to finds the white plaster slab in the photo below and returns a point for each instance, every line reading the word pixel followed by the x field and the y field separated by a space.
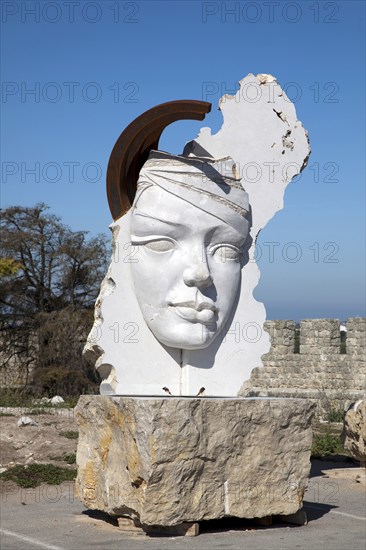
pixel 269 146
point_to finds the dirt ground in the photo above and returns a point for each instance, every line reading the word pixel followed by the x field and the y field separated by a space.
pixel 44 443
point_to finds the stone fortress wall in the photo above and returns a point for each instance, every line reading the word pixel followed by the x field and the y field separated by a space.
pixel 16 362
pixel 319 371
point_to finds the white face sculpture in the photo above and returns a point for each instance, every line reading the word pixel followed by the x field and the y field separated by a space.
pixel 187 276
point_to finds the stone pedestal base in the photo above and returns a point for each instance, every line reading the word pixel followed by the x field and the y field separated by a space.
pixel 168 461
pixel 354 431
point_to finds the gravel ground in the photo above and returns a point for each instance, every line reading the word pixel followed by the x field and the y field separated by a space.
pixel 42 443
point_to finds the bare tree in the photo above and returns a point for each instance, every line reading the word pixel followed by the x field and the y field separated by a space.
pixel 49 280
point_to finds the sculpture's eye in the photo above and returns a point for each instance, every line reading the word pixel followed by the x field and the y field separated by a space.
pixel 157 243
pixel 161 245
pixel 225 252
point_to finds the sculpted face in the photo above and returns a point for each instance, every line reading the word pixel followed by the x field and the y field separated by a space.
pixel 187 276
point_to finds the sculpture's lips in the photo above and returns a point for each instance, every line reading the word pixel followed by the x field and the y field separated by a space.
pixel 197 306
pixel 203 312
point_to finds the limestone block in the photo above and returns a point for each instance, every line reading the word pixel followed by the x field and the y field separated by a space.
pixel 26 421
pixel 354 431
pixel 165 461
pixel 56 400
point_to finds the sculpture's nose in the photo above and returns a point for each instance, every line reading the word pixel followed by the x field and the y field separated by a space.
pixel 197 273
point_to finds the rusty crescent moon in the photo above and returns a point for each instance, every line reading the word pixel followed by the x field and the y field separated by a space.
pixel 133 146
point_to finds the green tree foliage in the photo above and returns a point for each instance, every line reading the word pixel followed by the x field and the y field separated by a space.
pixel 49 280
pixel 9 267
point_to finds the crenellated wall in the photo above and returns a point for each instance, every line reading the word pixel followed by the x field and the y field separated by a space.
pixel 319 337
pixel 356 337
pixel 319 371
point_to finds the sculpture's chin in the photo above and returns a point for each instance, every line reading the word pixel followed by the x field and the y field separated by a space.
pixel 187 346
pixel 196 336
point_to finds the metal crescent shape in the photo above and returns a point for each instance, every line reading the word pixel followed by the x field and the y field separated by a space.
pixel 133 146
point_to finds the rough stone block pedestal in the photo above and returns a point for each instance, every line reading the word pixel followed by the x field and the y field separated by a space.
pixel 354 431
pixel 166 461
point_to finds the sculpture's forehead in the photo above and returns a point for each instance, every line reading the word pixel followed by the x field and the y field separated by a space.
pixel 156 208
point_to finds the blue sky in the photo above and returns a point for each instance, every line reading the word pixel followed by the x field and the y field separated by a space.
pixel 95 66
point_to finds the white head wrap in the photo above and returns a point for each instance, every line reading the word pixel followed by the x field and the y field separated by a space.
pixel 209 184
